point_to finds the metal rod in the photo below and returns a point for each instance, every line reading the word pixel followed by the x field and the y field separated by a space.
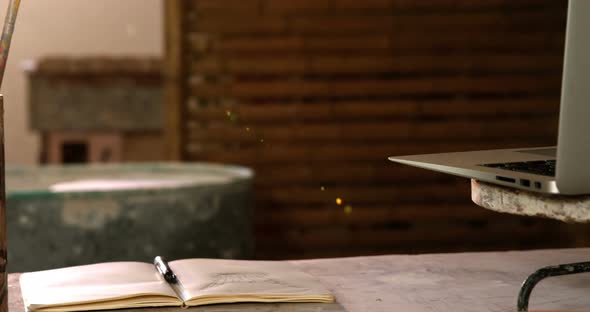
pixel 535 278
pixel 3 248
pixel 7 32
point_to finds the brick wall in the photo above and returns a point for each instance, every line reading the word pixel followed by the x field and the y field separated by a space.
pixel 314 95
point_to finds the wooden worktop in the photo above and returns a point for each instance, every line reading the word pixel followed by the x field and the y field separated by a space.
pixel 470 282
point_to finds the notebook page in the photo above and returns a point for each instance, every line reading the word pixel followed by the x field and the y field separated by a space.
pixel 94 283
pixel 240 280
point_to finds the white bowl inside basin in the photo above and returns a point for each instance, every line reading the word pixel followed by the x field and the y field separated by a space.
pixel 32 181
pixel 93 185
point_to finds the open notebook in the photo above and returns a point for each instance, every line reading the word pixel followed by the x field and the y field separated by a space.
pixel 118 285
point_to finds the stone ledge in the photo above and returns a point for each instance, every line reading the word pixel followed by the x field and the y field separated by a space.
pixel 97 66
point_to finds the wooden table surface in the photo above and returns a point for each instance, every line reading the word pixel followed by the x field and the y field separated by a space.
pixel 471 282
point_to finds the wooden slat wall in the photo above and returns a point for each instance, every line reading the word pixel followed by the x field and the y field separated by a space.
pixel 315 94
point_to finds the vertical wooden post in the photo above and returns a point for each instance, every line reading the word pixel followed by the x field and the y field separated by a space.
pixel 3 248
pixel 174 78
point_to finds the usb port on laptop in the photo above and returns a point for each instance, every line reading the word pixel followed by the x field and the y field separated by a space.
pixel 505 179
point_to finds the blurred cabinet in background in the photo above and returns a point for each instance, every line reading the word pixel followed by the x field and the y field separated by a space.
pixel 92 110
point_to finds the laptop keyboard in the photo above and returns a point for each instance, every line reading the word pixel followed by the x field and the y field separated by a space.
pixel 541 167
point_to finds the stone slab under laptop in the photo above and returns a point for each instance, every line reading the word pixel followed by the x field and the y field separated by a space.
pixel 503 199
pixel 562 169
pixel 185 283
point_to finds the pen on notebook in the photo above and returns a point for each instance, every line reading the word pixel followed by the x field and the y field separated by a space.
pixel 164 269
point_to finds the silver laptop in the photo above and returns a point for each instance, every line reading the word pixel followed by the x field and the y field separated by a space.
pixel 561 169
